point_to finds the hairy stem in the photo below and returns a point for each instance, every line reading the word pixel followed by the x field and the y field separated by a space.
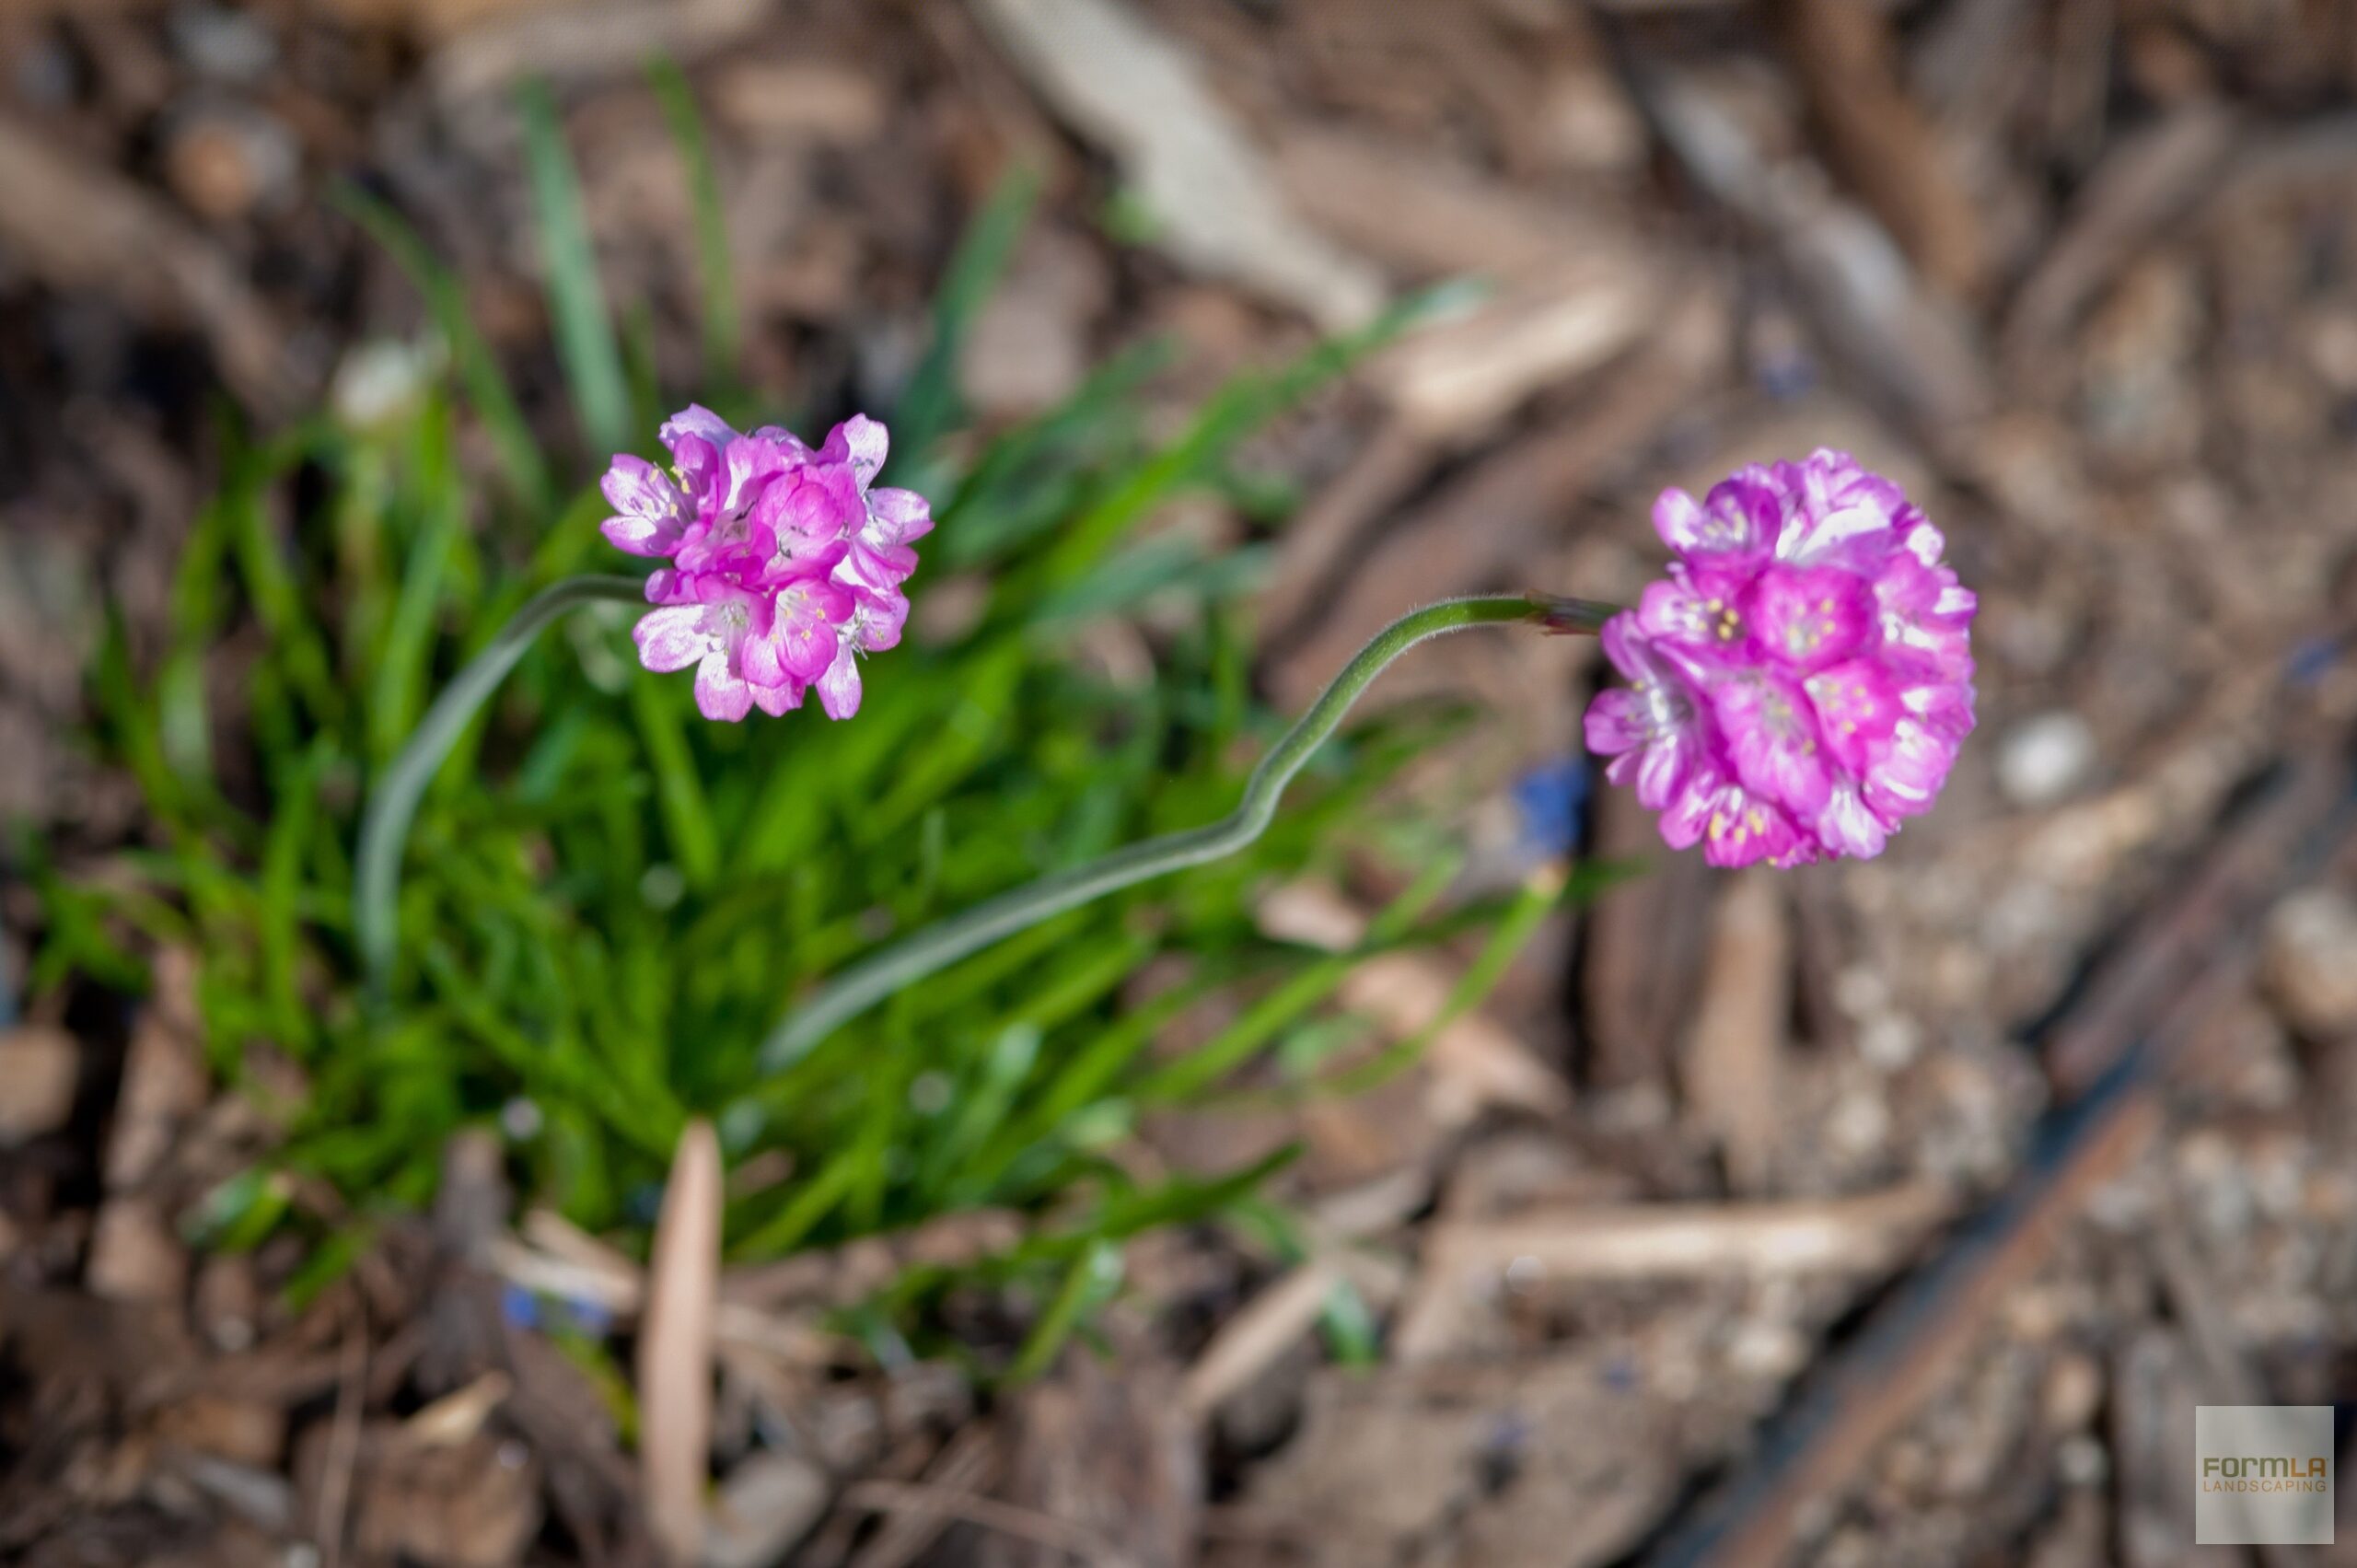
pixel 384 829
pixel 942 943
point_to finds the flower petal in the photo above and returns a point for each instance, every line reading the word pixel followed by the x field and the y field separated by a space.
pixel 839 687
pixel 1857 703
pixel 1808 617
pixel 1737 520
pixel 805 635
pixel 1842 509
pixel 861 442
pixel 650 512
pixel 1744 830
pixel 1664 769
pixel 777 701
pixel 721 693
pixel 877 622
pixel 809 508
pixel 875 571
pixel 795 449
pixel 1772 735
pixel 1907 778
pixel 1848 826
pixel 697 420
pixel 672 638
pixel 1616 722
pixel 901 515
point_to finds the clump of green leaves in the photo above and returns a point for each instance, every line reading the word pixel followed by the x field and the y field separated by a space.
pixel 608 902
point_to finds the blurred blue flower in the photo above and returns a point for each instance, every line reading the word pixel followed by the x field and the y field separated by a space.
pixel 1548 802
pixel 2311 660
pixel 592 1318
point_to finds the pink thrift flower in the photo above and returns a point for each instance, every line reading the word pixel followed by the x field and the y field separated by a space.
pixel 1800 682
pixel 783 565
pixel 711 630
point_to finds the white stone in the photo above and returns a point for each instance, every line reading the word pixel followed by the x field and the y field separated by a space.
pixel 2042 760
pixel 37 1069
pixel 2311 961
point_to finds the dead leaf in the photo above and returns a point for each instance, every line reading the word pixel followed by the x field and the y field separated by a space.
pixel 1123 83
pixel 675 1365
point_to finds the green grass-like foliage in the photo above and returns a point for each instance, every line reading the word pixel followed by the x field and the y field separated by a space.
pixel 607 901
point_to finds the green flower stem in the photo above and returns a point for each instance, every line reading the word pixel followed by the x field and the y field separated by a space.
pixel 938 945
pixel 384 829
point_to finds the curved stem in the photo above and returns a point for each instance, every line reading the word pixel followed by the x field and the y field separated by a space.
pixel 937 947
pixel 384 828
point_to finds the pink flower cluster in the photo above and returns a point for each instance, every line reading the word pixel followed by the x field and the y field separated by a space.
pixel 785 565
pixel 1801 681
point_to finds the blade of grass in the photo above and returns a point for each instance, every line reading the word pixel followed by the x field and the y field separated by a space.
pixel 137 731
pixel 398 691
pixel 1093 1278
pixel 812 1204
pixel 1026 480
pixel 1236 1044
pixel 297 810
pixel 931 405
pixel 1247 401
pixel 1543 892
pixel 1080 1082
pixel 584 333
pixel 723 335
pixel 478 367
pixel 198 608
pixel 297 641
pixel 687 818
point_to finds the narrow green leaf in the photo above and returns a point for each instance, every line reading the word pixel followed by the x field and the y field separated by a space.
pixel 723 335
pixel 1260 1023
pixel 397 693
pixel 282 871
pixel 1248 401
pixel 931 406
pixel 584 333
pixel 1542 893
pixel 1091 1280
pixel 687 818
pixel 478 367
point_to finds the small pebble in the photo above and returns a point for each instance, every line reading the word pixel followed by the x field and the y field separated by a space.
pixel 45 75
pixel 1585 121
pixel 226 162
pixel 1861 991
pixel 1859 1124
pixel 2042 760
pixel 228 1302
pixel 2083 1460
pixel 134 1254
pixel 2310 961
pixel 230 45
pixel 38 1070
pixel 1767 1349
pixel 1890 1040
pixel 381 379
pixel 2074 1395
